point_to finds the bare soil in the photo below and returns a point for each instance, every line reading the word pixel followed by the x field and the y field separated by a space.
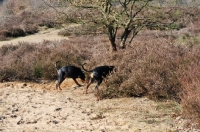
pixel 27 106
pixel 50 34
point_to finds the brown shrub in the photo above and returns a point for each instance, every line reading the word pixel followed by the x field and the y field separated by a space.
pixel 145 69
pixel 5 33
pixel 32 61
pixel 30 29
pixel 84 29
pixel 189 78
pixel 16 32
pixel 23 24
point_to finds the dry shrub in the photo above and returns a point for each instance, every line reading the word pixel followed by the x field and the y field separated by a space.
pixel 16 32
pixel 189 78
pixel 190 98
pixel 143 69
pixel 24 24
pixel 12 32
pixel 78 30
pixel 4 34
pixel 33 61
pixel 46 22
pixel 65 33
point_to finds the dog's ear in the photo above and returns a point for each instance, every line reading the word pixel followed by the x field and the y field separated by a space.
pixel 112 67
pixel 57 61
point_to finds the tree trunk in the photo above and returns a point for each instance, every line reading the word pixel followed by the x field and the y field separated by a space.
pixel 112 35
pixel 113 47
pixel 124 38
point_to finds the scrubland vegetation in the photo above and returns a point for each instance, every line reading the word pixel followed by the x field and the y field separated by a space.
pixel 159 64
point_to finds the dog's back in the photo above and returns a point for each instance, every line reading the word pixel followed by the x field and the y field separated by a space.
pixel 103 70
pixel 100 69
pixel 98 74
pixel 69 72
pixel 72 72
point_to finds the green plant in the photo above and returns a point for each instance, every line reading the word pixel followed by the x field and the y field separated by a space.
pixel 38 71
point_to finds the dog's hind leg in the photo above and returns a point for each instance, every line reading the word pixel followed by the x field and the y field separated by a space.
pixel 90 82
pixel 98 83
pixel 60 80
pixel 58 86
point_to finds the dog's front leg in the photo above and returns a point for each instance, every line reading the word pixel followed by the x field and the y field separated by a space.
pixel 76 82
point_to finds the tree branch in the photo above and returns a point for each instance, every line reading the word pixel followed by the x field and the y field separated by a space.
pixel 46 3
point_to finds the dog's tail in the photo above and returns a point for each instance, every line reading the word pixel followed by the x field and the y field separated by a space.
pixel 56 65
pixel 84 68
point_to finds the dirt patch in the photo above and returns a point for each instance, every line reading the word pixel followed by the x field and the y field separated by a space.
pixel 50 34
pixel 38 107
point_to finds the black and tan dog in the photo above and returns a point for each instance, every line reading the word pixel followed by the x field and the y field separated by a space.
pixel 98 74
pixel 69 72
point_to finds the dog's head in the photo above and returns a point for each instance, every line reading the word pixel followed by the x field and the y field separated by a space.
pixel 111 68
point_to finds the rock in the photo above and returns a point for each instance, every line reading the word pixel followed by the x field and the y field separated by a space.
pixel 58 109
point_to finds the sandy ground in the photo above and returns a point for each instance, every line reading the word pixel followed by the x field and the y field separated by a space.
pixel 48 34
pixel 27 107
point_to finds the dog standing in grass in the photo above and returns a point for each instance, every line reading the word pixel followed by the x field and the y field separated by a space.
pixel 98 74
pixel 69 72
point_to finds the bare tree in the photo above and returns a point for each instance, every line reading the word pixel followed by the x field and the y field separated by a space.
pixel 132 9
pixel 121 13
pixel 130 15
pixel 116 14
